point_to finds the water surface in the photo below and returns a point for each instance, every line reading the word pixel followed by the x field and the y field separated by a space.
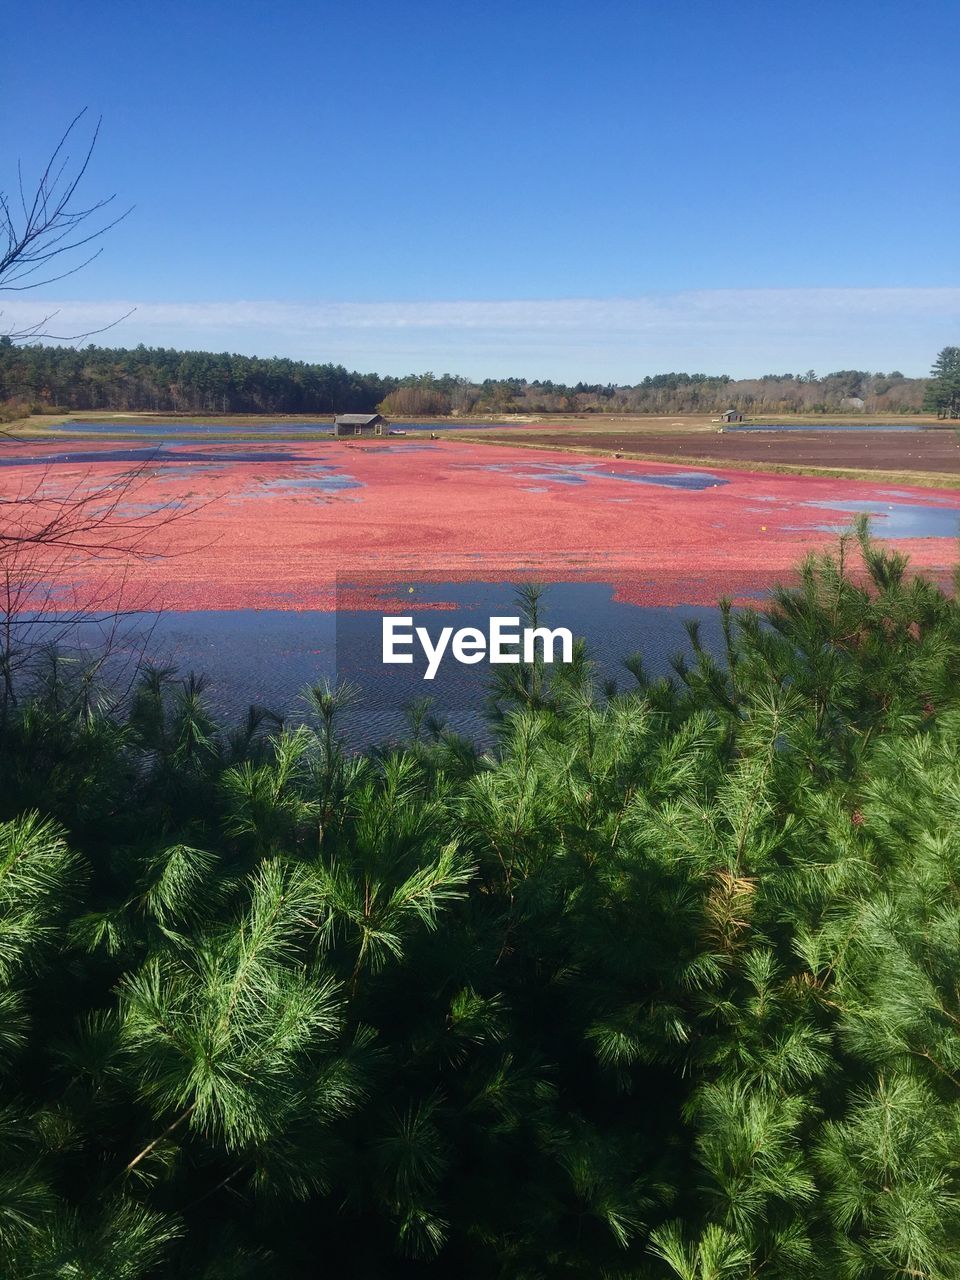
pixel 896 519
pixel 268 657
pixel 577 473
pixel 319 426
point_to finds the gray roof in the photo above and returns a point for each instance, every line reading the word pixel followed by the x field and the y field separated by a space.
pixel 358 419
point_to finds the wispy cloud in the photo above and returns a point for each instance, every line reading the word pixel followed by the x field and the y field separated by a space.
pixel 738 331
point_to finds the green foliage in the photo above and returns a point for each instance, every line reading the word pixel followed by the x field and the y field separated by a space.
pixel 666 983
pixel 49 379
pixel 942 396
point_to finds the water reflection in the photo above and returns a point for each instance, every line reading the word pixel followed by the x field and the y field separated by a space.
pixel 577 473
pixel 897 519
pixel 313 427
pixel 269 656
pixel 160 453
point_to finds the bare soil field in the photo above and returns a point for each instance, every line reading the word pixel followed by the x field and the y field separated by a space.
pixel 935 451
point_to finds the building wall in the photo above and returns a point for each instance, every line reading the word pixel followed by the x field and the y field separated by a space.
pixel 346 430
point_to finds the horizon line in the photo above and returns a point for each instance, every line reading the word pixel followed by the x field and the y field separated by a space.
pixel 610 339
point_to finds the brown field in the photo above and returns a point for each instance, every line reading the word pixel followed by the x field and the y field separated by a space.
pixel 933 452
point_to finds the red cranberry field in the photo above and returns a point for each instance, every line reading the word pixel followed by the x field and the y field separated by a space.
pixel 283 525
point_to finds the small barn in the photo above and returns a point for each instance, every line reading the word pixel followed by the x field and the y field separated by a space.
pixel 359 424
pixel 731 415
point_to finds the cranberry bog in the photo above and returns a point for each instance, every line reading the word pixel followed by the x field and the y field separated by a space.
pixel 294 525
pixel 267 566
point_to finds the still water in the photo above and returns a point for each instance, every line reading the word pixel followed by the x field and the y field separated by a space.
pixel 319 426
pixel 268 657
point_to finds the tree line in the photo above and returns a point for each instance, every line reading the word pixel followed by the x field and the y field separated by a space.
pixel 662 984
pixel 39 377
pixel 158 379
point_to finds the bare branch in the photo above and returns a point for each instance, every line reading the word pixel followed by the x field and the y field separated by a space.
pixel 40 227
pixel 39 330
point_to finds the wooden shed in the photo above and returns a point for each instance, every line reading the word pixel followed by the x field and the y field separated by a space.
pixel 731 415
pixel 359 424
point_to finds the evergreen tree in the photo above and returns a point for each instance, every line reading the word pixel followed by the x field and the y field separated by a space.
pixel 942 395
pixel 665 983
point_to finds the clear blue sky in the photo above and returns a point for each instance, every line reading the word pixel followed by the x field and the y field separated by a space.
pixel 427 150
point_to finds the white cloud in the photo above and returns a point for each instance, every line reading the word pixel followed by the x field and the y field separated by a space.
pixel 743 332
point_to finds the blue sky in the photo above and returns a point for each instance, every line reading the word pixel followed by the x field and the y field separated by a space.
pixel 647 161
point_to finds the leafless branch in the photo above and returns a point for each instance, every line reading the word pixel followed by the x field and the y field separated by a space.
pixel 52 531
pixel 39 227
pixel 39 330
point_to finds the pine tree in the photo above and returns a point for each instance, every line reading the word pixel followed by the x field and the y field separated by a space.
pixel 663 983
pixel 942 395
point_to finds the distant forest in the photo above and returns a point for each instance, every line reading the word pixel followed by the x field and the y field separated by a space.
pixel 38 378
